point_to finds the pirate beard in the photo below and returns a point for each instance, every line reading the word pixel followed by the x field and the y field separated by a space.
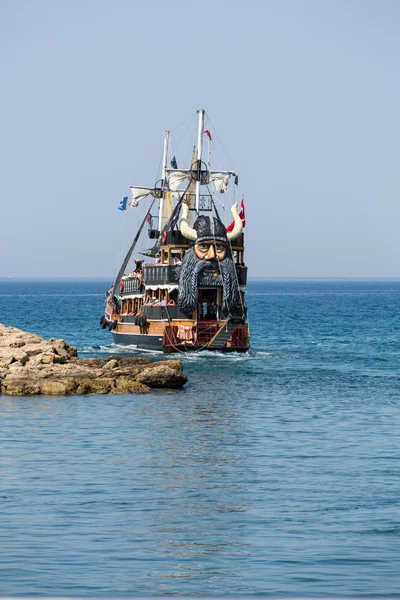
pixel 191 277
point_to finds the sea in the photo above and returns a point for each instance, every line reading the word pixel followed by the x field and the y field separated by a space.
pixel 272 473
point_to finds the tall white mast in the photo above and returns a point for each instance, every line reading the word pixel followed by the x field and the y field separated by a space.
pixel 164 173
pixel 199 153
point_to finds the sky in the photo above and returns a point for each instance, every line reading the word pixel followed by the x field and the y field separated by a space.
pixel 304 94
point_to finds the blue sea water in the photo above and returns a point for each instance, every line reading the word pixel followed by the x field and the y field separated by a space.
pixel 274 472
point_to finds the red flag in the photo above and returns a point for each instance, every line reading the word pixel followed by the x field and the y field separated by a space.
pixel 241 215
pixel 207 132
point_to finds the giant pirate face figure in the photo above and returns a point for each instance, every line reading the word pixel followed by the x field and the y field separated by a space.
pixel 208 262
pixel 209 250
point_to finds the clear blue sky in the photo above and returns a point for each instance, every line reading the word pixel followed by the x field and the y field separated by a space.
pixel 305 95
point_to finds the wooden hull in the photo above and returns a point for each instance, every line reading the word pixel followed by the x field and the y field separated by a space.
pixel 161 337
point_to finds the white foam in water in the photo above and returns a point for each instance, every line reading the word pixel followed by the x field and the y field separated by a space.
pixel 116 348
pixel 264 354
pixel 204 355
pixel 207 355
pixel 96 349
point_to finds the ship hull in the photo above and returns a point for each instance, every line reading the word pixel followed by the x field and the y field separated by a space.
pixel 154 343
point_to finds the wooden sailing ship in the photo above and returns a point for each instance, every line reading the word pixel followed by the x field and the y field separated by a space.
pixel 188 292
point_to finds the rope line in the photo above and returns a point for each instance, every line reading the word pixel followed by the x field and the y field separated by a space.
pixel 223 147
pixel 183 134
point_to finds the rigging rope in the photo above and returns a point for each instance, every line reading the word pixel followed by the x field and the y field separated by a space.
pixel 183 134
pixel 183 122
pixel 223 147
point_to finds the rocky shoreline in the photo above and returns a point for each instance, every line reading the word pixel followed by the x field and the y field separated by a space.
pixel 31 365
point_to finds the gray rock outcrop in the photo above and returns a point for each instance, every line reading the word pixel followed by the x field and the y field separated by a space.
pixel 31 365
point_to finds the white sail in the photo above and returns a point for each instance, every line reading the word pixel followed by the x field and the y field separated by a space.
pixel 220 179
pixel 177 195
pixel 139 193
pixel 175 178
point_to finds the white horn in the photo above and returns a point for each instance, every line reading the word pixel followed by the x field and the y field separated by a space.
pixel 185 229
pixel 236 231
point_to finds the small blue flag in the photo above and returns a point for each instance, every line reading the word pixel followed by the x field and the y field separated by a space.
pixel 123 203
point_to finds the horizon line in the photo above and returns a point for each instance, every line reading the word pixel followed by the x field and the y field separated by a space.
pixel 260 277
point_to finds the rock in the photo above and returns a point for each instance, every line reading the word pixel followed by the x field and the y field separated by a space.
pixel 84 387
pixel 111 364
pixel 102 385
pixel 47 359
pixel 62 348
pixel 20 387
pixel 59 360
pixel 24 359
pixel 34 349
pixel 161 376
pixel 50 387
pixel 30 365
pixel 9 356
pixel 16 371
pixel 130 361
pixel 129 386
pixel 131 372
pixel 17 344
pixel 91 362
pixel 175 365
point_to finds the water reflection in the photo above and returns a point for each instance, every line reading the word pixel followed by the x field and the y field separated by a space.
pixel 192 469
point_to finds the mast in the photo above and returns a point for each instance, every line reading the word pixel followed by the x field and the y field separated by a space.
pixel 199 153
pixel 164 173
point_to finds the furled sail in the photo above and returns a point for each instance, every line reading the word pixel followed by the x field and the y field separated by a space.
pixel 175 178
pixel 178 194
pixel 220 181
pixel 220 178
pixel 139 193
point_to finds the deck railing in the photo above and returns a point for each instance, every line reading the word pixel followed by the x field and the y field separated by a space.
pixel 160 274
pixel 206 331
pixel 164 274
pixel 132 285
pixel 159 313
